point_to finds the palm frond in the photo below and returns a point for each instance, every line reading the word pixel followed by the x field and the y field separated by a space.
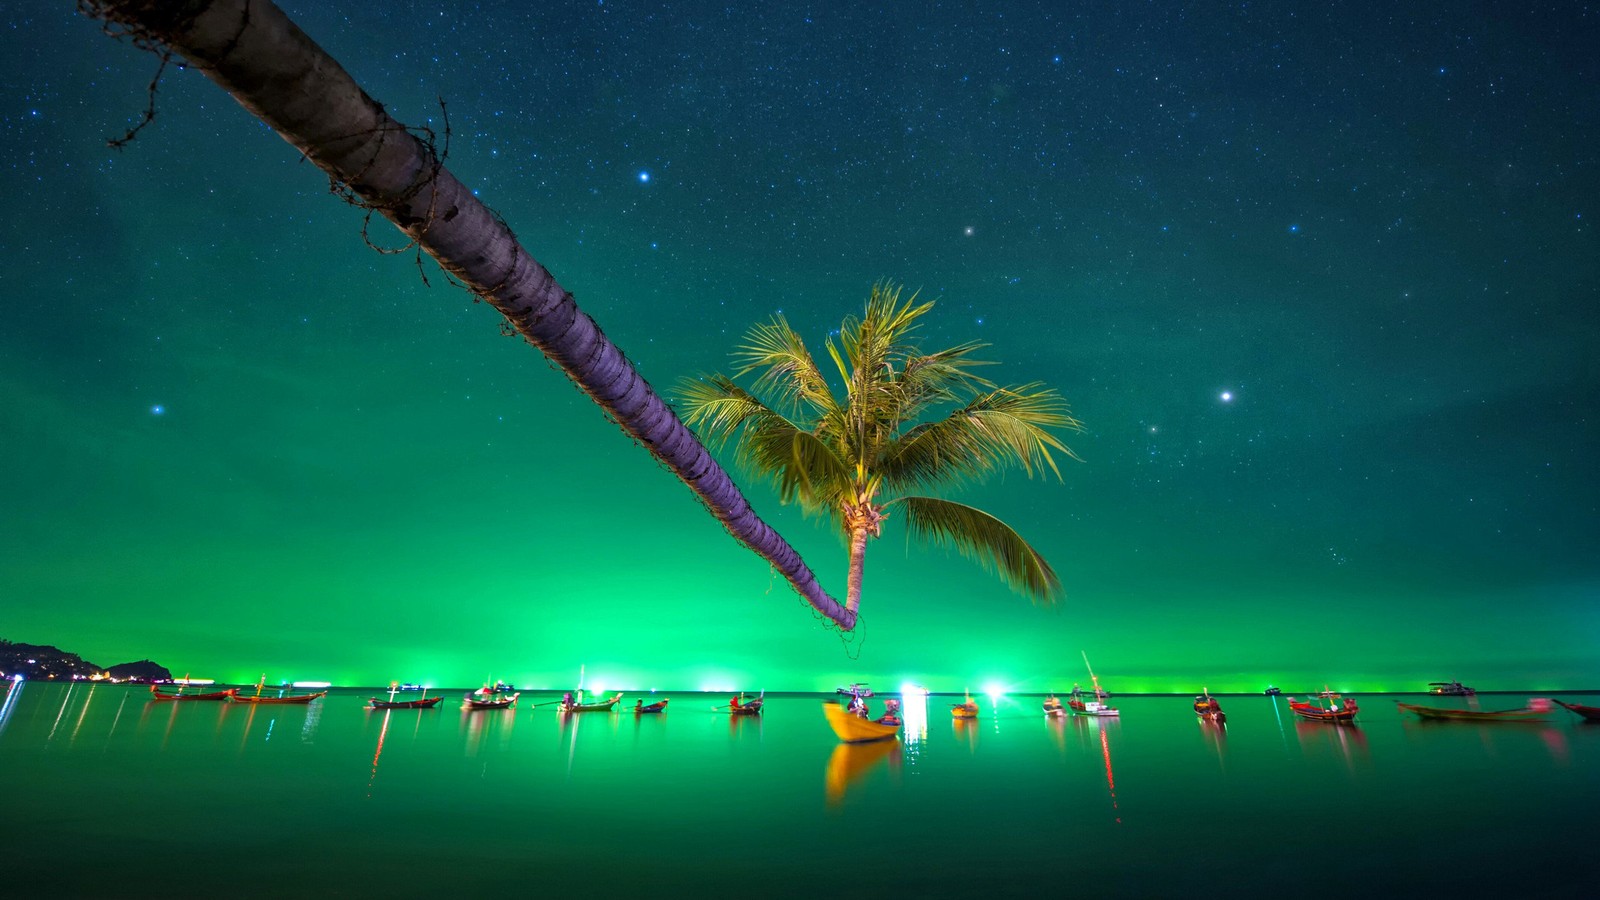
pixel 804 468
pixel 717 408
pixel 1002 428
pixel 784 367
pixel 984 538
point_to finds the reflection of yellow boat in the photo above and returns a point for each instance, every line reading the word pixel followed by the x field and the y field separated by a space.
pixel 851 761
pixel 852 729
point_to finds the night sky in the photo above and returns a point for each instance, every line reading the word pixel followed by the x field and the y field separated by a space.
pixel 1320 280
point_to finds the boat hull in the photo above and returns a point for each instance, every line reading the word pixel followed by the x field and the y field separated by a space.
pixel 605 706
pixel 502 703
pixel 299 698
pixel 852 729
pixel 429 703
pixel 188 698
pixel 1589 713
pixel 1437 713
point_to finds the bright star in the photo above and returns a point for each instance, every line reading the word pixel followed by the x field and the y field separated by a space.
pixel 1226 396
pixel 969 231
pixel 644 177
pixel 157 410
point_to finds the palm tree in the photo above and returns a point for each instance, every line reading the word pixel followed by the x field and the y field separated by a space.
pixel 253 51
pixel 853 460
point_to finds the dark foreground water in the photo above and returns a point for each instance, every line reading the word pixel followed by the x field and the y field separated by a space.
pixel 103 793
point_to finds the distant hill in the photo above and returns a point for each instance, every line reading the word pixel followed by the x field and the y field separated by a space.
pixel 40 662
pixel 143 670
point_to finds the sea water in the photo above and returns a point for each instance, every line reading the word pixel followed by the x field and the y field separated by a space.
pixel 106 793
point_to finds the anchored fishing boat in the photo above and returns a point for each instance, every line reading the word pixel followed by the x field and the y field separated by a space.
pixel 855 729
pixel 1332 708
pixel 1537 710
pixel 420 703
pixel 1096 707
pixel 282 697
pixel 965 710
pixel 738 706
pixel 1450 689
pixel 1207 708
pixel 571 704
pixel 180 695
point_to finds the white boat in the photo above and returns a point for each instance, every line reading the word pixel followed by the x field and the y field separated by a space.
pixel 1091 708
pixel 1095 707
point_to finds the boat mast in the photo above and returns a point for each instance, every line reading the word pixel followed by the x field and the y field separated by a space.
pixel 1092 679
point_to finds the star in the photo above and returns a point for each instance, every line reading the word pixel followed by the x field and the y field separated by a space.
pixel 644 177
pixel 158 410
pixel 1226 396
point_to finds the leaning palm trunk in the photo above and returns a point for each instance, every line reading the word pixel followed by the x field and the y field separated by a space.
pixel 253 50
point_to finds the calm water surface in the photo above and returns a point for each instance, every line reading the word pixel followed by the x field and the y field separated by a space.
pixel 107 794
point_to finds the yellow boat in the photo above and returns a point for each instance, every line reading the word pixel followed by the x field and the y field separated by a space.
pixel 967 710
pixel 852 729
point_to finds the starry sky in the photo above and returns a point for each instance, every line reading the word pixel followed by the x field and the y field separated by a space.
pixel 1321 282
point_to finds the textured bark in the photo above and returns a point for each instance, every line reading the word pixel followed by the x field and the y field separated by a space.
pixel 858 567
pixel 254 52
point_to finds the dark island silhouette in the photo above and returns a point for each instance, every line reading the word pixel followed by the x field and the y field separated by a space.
pixel 43 662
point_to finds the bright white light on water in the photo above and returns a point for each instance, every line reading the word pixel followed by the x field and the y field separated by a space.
pixel 995 692
pixel 194 681
pixel 313 684
pixel 909 690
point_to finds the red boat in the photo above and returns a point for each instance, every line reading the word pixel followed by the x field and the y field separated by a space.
pixel 213 695
pixel 429 703
pixel 658 706
pixel 1589 713
pixel 1336 712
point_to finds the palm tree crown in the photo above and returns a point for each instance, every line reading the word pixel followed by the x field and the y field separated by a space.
pixel 909 421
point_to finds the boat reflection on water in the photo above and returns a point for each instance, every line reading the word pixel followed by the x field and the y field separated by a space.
pixel 383 732
pixel 1348 741
pixel 849 763
pixel 1098 730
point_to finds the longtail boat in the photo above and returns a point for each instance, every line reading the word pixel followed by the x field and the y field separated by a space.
pixel 738 706
pixel 965 710
pixel 491 701
pixel 639 707
pixel 289 698
pixel 281 698
pixel 1450 689
pixel 1207 708
pixel 1589 713
pixel 428 703
pixel 211 695
pixel 1537 710
pixel 854 729
pixel 1339 710
pixel 1053 708
pixel 575 706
